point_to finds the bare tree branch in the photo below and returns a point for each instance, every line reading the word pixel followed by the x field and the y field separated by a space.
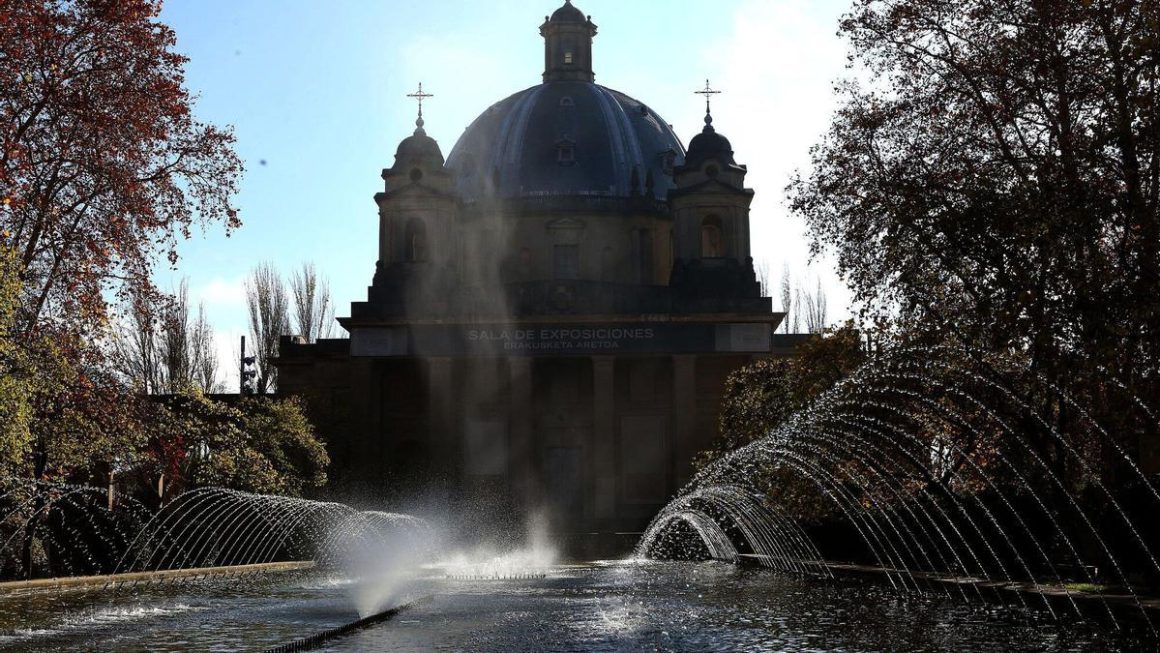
pixel 175 343
pixel 204 364
pixel 787 301
pixel 268 305
pixel 313 309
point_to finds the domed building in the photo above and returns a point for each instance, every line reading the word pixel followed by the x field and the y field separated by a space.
pixel 554 309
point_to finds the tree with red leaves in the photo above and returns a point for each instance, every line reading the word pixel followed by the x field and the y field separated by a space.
pixel 103 169
pixel 103 166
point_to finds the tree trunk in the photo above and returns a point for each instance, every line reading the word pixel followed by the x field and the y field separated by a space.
pixel 40 463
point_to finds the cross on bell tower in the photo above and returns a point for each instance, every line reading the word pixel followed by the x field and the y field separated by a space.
pixel 420 96
pixel 415 227
pixel 710 209
pixel 708 92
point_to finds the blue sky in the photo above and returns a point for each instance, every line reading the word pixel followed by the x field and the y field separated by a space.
pixel 316 92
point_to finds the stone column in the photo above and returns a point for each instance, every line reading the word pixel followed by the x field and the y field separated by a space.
pixel 684 418
pixel 522 471
pixel 370 443
pixel 441 414
pixel 603 456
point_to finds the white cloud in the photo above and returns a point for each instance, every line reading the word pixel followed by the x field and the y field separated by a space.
pixel 222 292
pixel 228 348
pixel 224 300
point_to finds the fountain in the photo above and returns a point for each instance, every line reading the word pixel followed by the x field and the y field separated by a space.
pixel 76 531
pixel 941 493
pixel 63 530
pixel 945 468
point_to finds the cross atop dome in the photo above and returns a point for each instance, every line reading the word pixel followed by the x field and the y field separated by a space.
pixel 708 92
pixel 708 144
pixel 420 96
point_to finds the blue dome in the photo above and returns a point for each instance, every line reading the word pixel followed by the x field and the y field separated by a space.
pixel 709 145
pixel 568 14
pixel 418 148
pixel 566 138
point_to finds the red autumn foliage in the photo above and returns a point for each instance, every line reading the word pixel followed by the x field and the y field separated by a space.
pixel 103 167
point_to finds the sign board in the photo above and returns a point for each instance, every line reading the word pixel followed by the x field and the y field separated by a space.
pixel 560 340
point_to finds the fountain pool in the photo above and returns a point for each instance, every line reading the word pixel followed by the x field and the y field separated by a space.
pixel 607 606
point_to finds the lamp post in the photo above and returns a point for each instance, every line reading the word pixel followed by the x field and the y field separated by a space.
pixel 246 371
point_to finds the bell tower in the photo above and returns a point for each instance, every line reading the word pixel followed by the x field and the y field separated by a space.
pixel 417 211
pixel 568 37
pixel 710 206
pixel 416 206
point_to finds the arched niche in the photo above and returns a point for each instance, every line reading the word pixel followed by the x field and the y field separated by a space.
pixel 712 237
pixel 415 241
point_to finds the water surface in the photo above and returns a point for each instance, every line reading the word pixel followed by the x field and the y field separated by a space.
pixel 602 607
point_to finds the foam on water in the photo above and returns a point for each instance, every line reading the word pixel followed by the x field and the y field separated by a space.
pixel 97 617
pixel 536 556
pixel 133 613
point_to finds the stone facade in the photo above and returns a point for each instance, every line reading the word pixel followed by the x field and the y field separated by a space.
pixel 554 309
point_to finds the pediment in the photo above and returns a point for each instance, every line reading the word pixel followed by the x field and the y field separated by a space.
pixel 566 224
pixel 711 187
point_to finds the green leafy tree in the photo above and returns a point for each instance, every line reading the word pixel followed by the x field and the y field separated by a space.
pixel 260 445
pixel 84 422
pixel 995 183
pixel 279 430
pixel 188 435
pixel 16 379
pixel 761 395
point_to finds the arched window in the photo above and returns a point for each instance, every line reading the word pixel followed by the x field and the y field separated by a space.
pixel 415 240
pixel 526 264
pixel 566 151
pixel 712 243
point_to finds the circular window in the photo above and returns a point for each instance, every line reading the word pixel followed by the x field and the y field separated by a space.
pixel 416 175
pixel 712 171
